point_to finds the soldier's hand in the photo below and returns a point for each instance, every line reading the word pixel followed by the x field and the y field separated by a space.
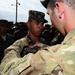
pixel 39 45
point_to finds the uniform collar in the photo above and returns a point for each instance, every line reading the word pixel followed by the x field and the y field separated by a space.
pixel 69 36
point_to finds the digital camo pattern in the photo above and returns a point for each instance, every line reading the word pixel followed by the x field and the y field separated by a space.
pixel 54 60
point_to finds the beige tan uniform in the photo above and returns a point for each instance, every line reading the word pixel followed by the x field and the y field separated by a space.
pixel 54 60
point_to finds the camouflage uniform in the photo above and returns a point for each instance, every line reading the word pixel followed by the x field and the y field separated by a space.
pixel 54 60
pixel 30 42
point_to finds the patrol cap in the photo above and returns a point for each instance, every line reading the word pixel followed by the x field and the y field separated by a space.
pixel 44 2
pixel 21 24
pixel 37 15
pixel 3 23
pixel 10 23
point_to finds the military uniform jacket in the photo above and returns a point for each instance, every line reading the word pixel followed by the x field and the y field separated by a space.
pixel 4 44
pixel 52 60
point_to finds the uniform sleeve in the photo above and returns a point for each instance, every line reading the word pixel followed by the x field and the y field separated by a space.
pixel 13 51
pixel 42 62
pixel 55 60
pixel 64 58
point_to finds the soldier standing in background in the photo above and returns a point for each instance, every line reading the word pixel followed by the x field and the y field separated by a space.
pixel 35 26
pixel 22 31
pixel 5 38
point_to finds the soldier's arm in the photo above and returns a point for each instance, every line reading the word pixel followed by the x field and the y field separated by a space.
pixel 56 60
pixel 14 51
pixel 50 61
pixel 32 63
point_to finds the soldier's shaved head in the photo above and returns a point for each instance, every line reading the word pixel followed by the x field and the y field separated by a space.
pixel 70 3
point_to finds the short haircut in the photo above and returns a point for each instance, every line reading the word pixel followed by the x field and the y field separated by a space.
pixel 70 3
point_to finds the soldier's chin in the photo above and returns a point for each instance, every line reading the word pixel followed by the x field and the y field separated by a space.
pixel 39 32
pixel 37 35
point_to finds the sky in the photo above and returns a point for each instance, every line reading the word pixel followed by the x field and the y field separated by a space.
pixel 8 9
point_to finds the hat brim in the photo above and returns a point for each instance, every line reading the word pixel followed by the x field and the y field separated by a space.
pixel 41 20
pixel 44 3
pixel 4 24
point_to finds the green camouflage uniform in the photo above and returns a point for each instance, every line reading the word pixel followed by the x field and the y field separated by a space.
pixel 54 60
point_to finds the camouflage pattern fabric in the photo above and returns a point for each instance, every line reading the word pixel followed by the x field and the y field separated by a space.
pixel 52 60
pixel 29 49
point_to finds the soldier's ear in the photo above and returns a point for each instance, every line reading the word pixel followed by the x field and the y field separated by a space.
pixel 59 8
pixel 28 24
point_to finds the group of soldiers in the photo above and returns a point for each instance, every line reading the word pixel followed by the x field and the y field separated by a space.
pixel 12 32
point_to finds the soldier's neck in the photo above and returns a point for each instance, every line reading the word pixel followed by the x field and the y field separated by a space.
pixel 34 38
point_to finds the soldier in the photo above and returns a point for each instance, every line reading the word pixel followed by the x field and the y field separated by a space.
pixel 5 38
pixel 35 26
pixel 54 60
pixel 22 31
